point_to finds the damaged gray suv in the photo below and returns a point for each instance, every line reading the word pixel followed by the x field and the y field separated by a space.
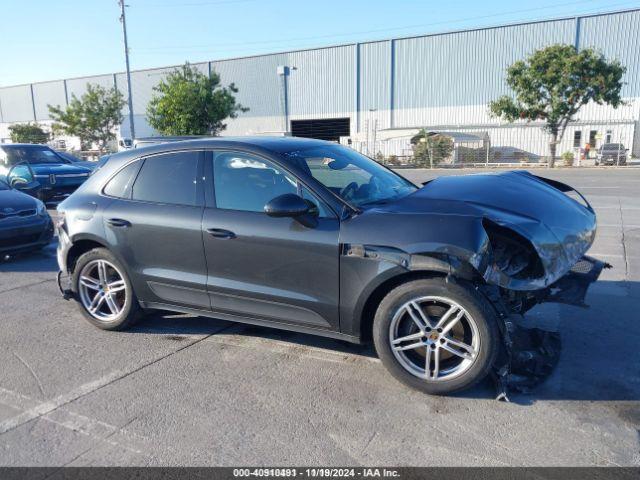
pixel 311 236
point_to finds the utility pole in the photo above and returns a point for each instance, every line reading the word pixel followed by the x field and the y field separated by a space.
pixel 123 20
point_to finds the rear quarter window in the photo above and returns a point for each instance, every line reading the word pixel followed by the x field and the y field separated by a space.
pixel 120 185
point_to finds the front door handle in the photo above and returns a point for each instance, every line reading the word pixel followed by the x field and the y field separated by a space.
pixel 221 233
pixel 118 222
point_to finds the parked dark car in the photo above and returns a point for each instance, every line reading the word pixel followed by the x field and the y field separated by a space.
pixel 77 160
pixel 311 236
pixel 57 176
pixel 611 154
pixel 24 222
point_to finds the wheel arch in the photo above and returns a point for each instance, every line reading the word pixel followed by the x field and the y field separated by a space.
pixel 81 246
pixel 367 312
pixel 419 266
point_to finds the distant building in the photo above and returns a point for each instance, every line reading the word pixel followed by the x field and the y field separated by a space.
pixel 376 95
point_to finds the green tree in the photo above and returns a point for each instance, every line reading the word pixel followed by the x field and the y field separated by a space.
pixel 93 117
pixel 191 103
pixel 28 133
pixel 554 83
pixel 431 149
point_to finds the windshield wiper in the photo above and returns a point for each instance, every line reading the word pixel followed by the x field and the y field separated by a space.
pixel 376 202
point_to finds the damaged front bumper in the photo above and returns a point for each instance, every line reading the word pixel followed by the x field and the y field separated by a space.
pixel 572 288
pixel 531 354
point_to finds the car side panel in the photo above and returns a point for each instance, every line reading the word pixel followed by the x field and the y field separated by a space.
pixel 274 268
pixel 163 250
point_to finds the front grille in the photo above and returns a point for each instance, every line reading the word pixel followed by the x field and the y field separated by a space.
pixel 19 240
pixel 583 266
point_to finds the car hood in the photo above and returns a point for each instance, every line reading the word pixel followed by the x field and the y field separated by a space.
pixel 58 168
pixel 560 228
pixel 15 201
pixel 86 164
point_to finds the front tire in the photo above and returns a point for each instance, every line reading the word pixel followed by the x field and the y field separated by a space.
pixel 436 336
pixel 103 291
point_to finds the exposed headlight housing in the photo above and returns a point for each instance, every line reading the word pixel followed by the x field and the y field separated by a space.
pixel 512 254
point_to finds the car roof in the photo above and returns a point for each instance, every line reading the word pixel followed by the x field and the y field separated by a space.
pixel 257 144
pixel 274 144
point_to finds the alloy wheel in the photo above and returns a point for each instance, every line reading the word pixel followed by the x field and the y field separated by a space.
pixel 434 338
pixel 102 290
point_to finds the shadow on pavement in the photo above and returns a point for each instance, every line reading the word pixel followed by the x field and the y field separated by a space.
pixel 37 261
pixel 600 358
pixel 174 324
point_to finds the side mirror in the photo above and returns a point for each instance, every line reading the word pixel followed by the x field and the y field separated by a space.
pixel 22 178
pixel 287 205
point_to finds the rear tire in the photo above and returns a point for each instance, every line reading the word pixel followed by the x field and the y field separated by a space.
pixel 459 348
pixel 103 291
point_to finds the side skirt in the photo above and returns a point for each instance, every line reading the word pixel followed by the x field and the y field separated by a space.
pixel 253 321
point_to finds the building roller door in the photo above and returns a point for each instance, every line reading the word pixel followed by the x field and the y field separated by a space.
pixel 326 129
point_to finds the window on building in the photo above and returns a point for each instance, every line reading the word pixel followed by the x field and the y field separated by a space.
pixel 120 185
pixel 577 138
pixel 592 138
pixel 168 178
pixel 608 136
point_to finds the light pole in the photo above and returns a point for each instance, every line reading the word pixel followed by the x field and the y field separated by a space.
pixel 374 133
pixel 123 20
pixel 284 71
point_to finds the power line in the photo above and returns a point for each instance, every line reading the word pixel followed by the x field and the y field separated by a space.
pixel 200 4
pixel 365 32
pixel 288 46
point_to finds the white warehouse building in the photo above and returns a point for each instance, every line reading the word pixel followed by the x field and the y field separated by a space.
pixel 376 95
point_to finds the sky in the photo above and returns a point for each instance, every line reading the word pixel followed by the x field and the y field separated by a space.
pixel 53 39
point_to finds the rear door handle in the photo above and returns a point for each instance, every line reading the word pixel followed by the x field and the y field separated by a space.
pixel 221 233
pixel 118 222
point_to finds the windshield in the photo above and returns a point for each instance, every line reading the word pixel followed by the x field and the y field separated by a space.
pixel 31 154
pixel 353 177
pixel 612 146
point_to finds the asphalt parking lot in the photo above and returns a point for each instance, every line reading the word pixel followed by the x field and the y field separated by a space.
pixel 181 390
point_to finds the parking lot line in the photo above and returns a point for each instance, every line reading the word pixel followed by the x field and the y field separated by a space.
pixel 49 406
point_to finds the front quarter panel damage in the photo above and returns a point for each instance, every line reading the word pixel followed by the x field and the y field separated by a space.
pixel 531 265
pixel 518 239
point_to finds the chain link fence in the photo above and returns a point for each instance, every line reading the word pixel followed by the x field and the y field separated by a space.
pixel 611 143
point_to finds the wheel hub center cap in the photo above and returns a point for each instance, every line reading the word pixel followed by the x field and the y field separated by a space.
pixel 433 336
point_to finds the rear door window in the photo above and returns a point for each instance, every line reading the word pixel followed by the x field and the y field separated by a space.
pixel 168 178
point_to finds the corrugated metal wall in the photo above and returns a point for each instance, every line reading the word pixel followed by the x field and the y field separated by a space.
pixel 16 104
pixel 443 80
pixel 463 69
pixel 49 93
pixel 78 86
pixel 617 36
pixel 323 83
